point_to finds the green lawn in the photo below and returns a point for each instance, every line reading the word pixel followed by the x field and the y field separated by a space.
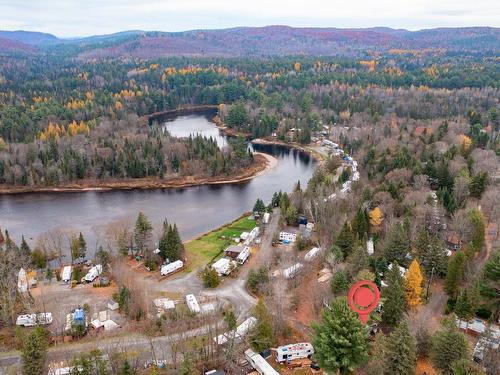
pixel 203 249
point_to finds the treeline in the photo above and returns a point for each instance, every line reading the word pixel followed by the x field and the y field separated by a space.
pixel 117 149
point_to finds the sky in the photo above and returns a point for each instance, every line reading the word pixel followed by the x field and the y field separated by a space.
pixel 74 18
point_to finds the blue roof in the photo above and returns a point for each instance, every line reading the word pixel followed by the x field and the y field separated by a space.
pixel 79 314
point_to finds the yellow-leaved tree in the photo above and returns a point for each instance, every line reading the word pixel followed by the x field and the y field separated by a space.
pixel 413 284
pixel 376 217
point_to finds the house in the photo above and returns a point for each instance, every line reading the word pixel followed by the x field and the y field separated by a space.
pixel 292 271
pixel 224 266
pixel 192 304
pixel 287 237
pixel 453 241
pixel 294 351
pixel 259 363
pixel 312 254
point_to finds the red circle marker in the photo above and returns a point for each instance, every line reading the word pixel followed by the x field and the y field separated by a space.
pixel 363 297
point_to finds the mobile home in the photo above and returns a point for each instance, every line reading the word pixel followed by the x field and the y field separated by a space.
pixel 66 274
pixel 294 351
pixel 192 304
pixel 259 363
pixel 292 271
pixel 167 269
pixel 237 334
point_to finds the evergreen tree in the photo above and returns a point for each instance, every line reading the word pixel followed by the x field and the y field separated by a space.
pixel 142 233
pixel 398 243
pixel 9 244
pixel 210 278
pixel 464 307
pixel 340 282
pixel 170 244
pixel 259 206
pixel 401 351
pixel 455 274
pixel 345 239
pixel 448 346
pixel 394 305
pixel 34 352
pixel 430 253
pixel 477 220
pixel 292 216
pixel 126 369
pixel 361 223
pixel 24 249
pixel 339 340
pixel 478 184
pixel 465 366
pixel 77 251
pixel 413 284
pixel 262 336
pixel 82 245
pixel 378 357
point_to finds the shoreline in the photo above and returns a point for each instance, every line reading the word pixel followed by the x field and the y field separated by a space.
pixel 262 163
pixel 303 148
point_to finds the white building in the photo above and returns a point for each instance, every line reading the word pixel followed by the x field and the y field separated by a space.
pixel 30 320
pixel 192 304
pixel 294 351
pixel 170 268
pixel 370 249
pixel 239 333
pixel 93 273
pixel 243 256
pixel 287 237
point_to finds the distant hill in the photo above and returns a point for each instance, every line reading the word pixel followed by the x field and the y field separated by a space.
pixel 13 46
pixel 29 37
pixel 268 41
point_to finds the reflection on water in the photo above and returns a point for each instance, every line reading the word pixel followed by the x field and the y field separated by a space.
pixel 196 210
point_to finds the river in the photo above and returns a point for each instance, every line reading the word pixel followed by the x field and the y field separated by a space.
pixel 196 209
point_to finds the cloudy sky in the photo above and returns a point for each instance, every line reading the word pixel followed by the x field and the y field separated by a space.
pixel 69 18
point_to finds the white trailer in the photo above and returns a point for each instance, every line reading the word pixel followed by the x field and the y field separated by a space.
pixel 266 217
pixel 294 351
pixel 167 269
pixel 238 334
pixel 223 266
pixel 66 274
pixel 287 237
pixel 192 304
pixel 312 254
pixel 243 256
pixel 31 320
pixel 259 363
pixel 292 271
pixel 93 273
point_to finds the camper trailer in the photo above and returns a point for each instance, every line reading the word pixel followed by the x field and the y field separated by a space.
pixel 66 274
pixel 31 320
pixel 237 334
pixel 292 271
pixel 170 268
pixel 192 304
pixel 312 254
pixel 93 273
pixel 223 266
pixel 243 256
pixel 259 363
pixel 294 351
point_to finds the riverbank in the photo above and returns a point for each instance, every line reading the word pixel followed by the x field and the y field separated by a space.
pixel 262 163
pixel 319 157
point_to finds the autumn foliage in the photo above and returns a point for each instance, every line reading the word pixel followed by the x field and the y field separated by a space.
pixel 413 285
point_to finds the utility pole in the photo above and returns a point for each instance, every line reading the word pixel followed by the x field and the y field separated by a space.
pixel 429 284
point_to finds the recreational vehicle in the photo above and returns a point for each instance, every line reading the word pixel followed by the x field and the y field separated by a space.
pixel 93 273
pixel 294 351
pixel 312 254
pixel 223 266
pixel 167 269
pixel 66 274
pixel 192 304
pixel 259 363
pixel 31 320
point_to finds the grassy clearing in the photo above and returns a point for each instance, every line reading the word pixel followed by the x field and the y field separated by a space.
pixel 205 248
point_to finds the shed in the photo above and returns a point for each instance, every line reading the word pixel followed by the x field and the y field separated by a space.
pixel 112 305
